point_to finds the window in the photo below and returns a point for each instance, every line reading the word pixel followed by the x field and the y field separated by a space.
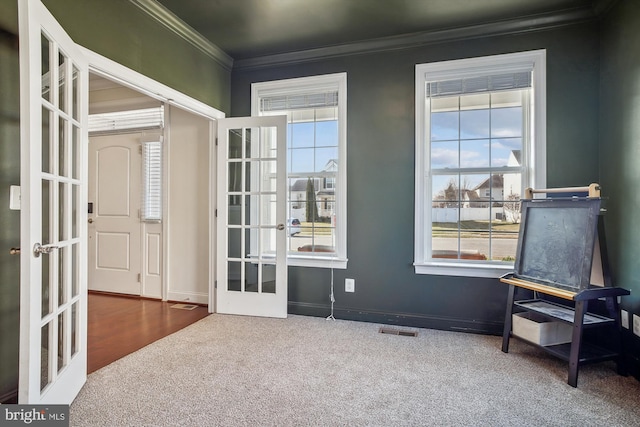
pixel 316 110
pixel 152 181
pixel 480 141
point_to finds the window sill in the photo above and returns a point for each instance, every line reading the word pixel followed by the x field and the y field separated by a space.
pixel 463 268
pixel 316 261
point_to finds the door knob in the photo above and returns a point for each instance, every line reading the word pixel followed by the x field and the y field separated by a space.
pixel 90 220
pixel 280 227
pixel 14 251
pixel 40 249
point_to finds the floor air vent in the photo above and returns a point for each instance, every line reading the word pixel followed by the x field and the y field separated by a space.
pixel 185 306
pixel 396 331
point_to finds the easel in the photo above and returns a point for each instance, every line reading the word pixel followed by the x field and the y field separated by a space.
pixel 599 287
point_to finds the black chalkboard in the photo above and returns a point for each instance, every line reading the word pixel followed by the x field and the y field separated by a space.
pixel 556 242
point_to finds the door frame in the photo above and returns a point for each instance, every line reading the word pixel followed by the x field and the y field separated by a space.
pixel 134 80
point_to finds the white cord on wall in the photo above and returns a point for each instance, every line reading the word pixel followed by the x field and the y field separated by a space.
pixel 333 299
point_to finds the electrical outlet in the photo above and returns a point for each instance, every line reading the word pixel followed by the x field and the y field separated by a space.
pixel 349 285
pixel 624 318
pixel 636 324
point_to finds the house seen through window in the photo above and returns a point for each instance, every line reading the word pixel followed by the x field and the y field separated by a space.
pixel 478 144
pixel 316 171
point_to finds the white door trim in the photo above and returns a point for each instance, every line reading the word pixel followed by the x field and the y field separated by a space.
pixel 127 77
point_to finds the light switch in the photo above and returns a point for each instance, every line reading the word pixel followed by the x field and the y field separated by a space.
pixel 14 197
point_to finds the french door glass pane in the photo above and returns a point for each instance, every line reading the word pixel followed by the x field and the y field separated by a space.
pixel 75 146
pixel 235 144
pixel 75 211
pixel 269 278
pixel 45 378
pixel 46 286
pixel 75 93
pixel 235 177
pixel 75 285
pixel 62 82
pixel 62 339
pixel 75 328
pixel 251 280
pixel 234 240
pixel 63 168
pixel 234 272
pixel 61 276
pixel 46 140
pixel 46 67
pixel 62 209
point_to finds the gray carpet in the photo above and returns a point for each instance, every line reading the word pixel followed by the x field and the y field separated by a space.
pixel 305 371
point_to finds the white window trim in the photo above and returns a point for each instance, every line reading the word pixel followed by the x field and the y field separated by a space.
pixel 314 83
pixel 534 176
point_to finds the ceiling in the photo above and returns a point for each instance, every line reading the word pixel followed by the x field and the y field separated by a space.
pixel 256 28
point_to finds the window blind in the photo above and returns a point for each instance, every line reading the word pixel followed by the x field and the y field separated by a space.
pixel 151 181
pixel 300 101
pixel 147 118
pixel 479 84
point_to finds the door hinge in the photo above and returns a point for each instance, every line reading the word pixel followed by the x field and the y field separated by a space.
pixel 216 141
pixel 139 278
pixel 215 284
pixel 140 149
pixel 216 213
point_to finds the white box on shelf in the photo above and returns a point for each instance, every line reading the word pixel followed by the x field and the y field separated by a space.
pixel 539 329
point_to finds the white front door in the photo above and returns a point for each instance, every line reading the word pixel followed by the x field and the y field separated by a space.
pixel 114 213
pixel 53 137
pixel 252 271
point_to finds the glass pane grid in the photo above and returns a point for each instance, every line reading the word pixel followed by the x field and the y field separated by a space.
pixel 251 212
pixel 476 175
pixel 312 166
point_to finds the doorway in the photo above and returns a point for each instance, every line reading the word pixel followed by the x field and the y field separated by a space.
pixel 128 255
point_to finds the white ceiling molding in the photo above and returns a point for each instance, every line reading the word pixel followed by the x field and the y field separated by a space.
pixel 407 41
pixel 165 17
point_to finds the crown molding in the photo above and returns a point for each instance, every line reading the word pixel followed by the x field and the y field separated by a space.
pixel 412 40
pixel 166 18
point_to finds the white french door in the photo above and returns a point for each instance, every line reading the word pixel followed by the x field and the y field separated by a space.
pixel 53 138
pixel 251 255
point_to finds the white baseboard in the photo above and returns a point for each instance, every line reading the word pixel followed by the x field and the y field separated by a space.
pixel 193 297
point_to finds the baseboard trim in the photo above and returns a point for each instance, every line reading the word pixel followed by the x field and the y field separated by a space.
pixel 115 294
pixel 188 297
pixel 400 319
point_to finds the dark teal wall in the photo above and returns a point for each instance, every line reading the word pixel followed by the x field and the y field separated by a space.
pixel 620 152
pixel 9 220
pixel 380 174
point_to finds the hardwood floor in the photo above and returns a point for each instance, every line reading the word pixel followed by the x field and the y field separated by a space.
pixel 121 325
